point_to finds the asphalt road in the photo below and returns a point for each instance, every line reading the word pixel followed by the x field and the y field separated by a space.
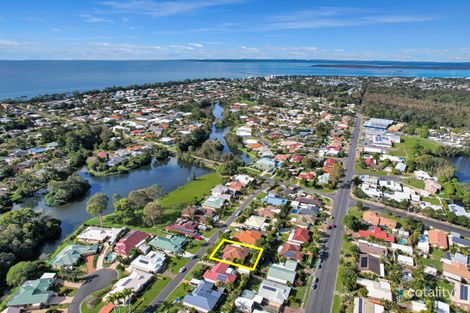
pixel 430 222
pixel 160 298
pixel 95 281
pixel 320 299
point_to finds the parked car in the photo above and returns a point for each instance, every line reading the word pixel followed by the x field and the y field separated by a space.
pixel 182 270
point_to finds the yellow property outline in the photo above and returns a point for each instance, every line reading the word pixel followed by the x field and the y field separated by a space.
pixel 211 257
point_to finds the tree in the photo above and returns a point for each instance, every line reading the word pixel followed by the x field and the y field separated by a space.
pixel 352 222
pixel 21 272
pixel 97 205
pixel 152 213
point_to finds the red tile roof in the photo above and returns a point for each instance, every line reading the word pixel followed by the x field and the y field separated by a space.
pixel 291 251
pixel 248 236
pixel 301 234
pixel 232 252
pixel 219 273
pixel 438 238
pixel 376 232
pixel 130 241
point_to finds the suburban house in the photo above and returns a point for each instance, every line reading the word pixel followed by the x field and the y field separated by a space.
pixel 372 248
pixel 456 271
pixel 183 227
pixel 362 305
pixel 95 235
pixel 431 186
pixel 136 282
pixel 248 236
pixel 255 222
pixel 71 254
pixel 460 296
pixel 232 252
pixel 374 219
pixel 34 294
pixel 376 289
pixel 299 236
pixel 151 263
pixel 130 241
pixel 438 239
pixel 371 264
pixel 220 272
pixel 283 272
pixel 204 298
pixel 291 251
pixel 170 243
pixel 271 199
pixel 275 294
pixel 214 203
pixel 376 232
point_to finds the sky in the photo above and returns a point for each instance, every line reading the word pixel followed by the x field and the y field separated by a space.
pixel 411 30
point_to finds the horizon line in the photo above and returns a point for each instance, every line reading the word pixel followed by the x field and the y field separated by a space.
pixel 239 60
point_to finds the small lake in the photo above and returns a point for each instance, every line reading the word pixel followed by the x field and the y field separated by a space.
pixel 218 133
pixel 169 174
pixel 463 168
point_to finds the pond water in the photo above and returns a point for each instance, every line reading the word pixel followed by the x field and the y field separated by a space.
pixel 463 168
pixel 169 174
pixel 218 133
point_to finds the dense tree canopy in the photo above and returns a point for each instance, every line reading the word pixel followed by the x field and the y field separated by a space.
pixel 22 232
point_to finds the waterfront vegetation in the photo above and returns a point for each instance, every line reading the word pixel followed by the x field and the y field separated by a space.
pixel 22 233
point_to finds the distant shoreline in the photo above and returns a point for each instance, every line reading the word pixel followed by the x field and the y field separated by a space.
pixel 388 67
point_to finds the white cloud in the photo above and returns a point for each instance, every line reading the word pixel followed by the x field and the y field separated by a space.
pixel 95 19
pixel 8 43
pixel 163 8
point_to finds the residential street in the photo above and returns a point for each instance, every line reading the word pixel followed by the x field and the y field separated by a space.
pixel 94 282
pixel 320 300
pixel 190 265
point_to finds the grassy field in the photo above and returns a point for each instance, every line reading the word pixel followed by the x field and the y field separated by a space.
pixel 192 192
pixel 434 259
pixel 414 182
pixel 360 170
pixel 179 292
pixel 144 301
pixel 173 202
pixel 405 148
pixel 175 264
pixel 336 304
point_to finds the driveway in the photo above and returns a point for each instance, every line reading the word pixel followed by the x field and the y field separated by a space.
pixel 93 282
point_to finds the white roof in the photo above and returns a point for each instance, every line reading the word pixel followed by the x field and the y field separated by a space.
pixel 135 281
pixel 376 289
pixel 255 221
pixel 274 292
pixel 152 262
pixel 99 233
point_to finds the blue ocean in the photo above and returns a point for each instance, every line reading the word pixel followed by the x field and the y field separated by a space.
pixel 32 78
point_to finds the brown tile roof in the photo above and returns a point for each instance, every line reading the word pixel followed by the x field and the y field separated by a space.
pixel 438 238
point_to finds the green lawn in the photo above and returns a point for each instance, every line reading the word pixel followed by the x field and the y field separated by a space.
pixel 144 301
pixel 179 292
pixel 434 259
pixel 194 246
pixel 434 201
pixel 175 264
pixel 261 195
pixel 192 192
pixel 360 170
pixel 173 202
pixel 414 182
pixel 336 304
pixel 298 294
pixel 405 148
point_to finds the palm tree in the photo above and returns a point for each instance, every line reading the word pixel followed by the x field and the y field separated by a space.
pixel 112 298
